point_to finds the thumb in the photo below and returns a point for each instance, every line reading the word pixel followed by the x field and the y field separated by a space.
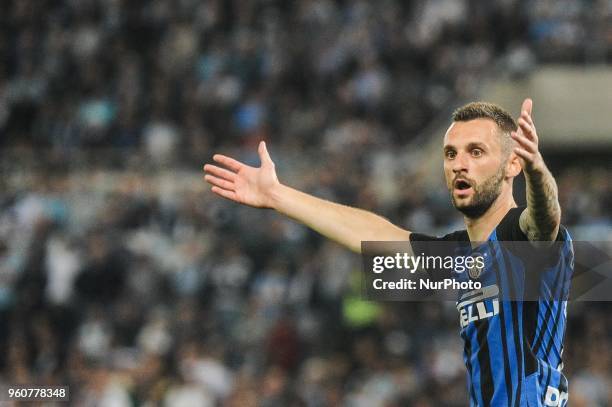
pixel 264 156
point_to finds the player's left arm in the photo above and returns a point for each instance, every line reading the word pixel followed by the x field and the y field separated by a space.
pixel 541 219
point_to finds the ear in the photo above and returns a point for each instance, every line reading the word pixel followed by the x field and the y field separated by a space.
pixel 513 165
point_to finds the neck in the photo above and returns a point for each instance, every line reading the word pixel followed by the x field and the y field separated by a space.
pixel 480 228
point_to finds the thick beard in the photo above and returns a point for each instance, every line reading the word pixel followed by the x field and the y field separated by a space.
pixel 484 196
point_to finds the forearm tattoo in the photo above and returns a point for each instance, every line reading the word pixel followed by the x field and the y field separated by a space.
pixel 543 213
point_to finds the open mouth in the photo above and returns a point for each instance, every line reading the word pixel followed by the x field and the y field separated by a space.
pixel 462 185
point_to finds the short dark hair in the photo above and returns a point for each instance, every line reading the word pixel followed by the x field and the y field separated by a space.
pixel 485 110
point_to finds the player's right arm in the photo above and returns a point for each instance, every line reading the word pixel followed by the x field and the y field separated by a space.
pixel 260 188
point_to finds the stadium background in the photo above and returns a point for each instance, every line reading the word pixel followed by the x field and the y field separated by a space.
pixel 122 276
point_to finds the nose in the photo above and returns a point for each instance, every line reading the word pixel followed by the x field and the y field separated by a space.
pixel 460 163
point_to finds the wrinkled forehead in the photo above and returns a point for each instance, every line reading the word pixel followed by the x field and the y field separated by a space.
pixel 483 131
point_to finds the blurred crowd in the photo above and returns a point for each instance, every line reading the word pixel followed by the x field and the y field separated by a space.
pixel 180 77
pixel 124 278
pixel 166 75
pixel 571 31
pixel 186 75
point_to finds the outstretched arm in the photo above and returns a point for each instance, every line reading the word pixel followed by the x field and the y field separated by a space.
pixel 260 188
pixel 540 220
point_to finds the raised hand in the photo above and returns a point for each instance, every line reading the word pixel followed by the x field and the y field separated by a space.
pixel 541 219
pixel 527 140
pixel 242 183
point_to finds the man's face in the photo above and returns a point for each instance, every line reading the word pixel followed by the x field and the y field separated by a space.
pixel 474 165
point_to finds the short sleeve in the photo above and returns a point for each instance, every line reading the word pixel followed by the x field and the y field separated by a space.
pixel 509 229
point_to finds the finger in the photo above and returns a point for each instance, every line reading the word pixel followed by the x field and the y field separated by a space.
pixel 264 156
pixel 229 162
pixel 220 172
pixel 525 143
pixel 219 182
pixel 527 130
pixel 525 155
pixel 231 195
pixel 527 106
pixel 529 119
pixel 524 138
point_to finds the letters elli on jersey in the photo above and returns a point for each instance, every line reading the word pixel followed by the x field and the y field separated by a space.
pixel 478 304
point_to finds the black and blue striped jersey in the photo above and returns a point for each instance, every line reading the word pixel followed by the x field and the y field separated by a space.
pixel 513 346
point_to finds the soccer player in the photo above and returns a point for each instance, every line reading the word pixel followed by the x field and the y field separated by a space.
pixel 513 350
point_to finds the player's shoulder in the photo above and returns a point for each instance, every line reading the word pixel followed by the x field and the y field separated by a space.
pixel 509 228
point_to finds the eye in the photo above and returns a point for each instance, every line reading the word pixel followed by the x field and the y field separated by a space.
pixel 476 152
pixel 450 154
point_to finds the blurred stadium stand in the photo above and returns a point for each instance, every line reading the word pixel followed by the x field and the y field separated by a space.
pixel 123 277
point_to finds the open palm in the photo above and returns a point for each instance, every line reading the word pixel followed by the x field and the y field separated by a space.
pixel 242 183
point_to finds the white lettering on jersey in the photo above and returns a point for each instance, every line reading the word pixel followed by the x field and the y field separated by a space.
pixel 478 311
pixel 555 398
